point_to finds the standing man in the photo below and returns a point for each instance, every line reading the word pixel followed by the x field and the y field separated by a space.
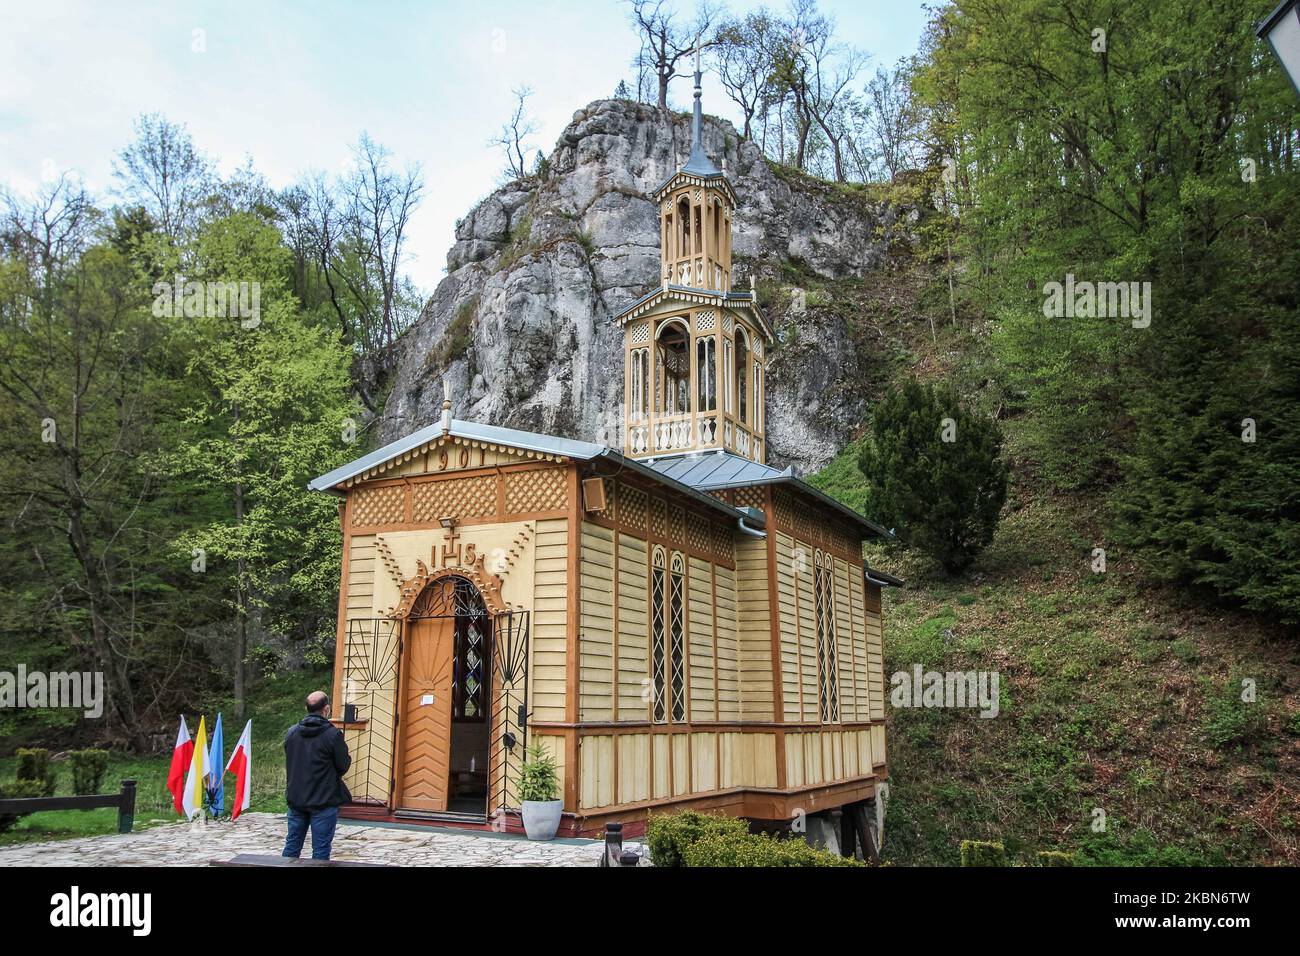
pixel 315 760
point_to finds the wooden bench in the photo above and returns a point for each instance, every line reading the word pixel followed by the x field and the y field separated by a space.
pixel 124 800
pixel 259 859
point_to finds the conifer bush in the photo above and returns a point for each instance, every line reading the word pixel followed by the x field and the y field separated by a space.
pixel 34 767
pixel 668 835
pixel 88 768
pixel 1055 858
pixel 982 853
pixel 934 473
pixel 759 849
pixel 539 779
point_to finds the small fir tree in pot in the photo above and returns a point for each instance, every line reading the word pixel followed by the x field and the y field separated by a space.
pixel 539 791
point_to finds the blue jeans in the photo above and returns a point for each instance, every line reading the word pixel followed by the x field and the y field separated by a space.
pixel 322 823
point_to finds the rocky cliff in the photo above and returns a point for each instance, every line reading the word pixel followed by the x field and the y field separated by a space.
pixel 522 326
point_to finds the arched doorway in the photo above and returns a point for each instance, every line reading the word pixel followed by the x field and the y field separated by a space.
pixel 446 700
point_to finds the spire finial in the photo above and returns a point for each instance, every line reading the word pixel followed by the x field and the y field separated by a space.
pixel 699 163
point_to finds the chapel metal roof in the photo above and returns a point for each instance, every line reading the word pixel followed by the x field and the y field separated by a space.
pixel 714 470
pixel 526 441
pixel 717 470
pixel 880 579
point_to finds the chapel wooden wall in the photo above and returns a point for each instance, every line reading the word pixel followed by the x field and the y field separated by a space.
pixel 753 718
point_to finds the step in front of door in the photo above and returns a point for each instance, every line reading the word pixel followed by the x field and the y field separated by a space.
pixel 441 816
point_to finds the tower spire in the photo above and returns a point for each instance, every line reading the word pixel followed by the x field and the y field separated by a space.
pixel 699 163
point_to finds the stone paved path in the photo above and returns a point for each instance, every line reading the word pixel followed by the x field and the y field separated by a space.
pixel 180 844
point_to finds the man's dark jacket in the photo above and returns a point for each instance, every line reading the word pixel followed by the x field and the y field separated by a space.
pixel 315 760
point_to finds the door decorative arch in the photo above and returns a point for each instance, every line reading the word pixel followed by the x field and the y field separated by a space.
pixel 429 666
pixel 464 683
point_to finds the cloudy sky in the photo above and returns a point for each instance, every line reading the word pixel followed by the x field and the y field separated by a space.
pixel 293 84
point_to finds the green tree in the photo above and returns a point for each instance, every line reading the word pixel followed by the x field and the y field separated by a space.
pixel 268 408
pixel 1152 141
pixel 934 473
pixel 79 393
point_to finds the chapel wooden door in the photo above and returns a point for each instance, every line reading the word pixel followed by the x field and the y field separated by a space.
pixel 426 714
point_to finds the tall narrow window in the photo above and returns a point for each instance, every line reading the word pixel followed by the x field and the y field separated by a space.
pixel 716 214
pixel 684 219
pixel 742 363
pixel 639 371
pixel 468 679
pixel 668 637
pixel 827 671
pixel 658 654
pixel 677 635
pixel 634 376
pixel 706 371
pixel 727 372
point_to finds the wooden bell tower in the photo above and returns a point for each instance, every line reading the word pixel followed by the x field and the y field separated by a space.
pixel 695 349
pixel 695 210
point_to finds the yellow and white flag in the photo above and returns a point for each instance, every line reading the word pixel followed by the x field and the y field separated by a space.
pixel 196 781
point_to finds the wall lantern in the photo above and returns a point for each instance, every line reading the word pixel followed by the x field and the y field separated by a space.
pixel 448 522
pixel 1282 31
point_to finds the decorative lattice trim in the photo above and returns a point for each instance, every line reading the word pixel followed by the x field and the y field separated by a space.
pixel 658 517
pixel 697 533
pixel 540 490
pixel 749 498
pixel 379 506
pixel 632 506
pixel 811 525
pixel 723 543
pixel 462 497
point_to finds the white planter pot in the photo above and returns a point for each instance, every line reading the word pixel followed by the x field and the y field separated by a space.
pixel 541 818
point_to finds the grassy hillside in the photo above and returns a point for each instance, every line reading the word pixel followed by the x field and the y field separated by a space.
pixel 1114 696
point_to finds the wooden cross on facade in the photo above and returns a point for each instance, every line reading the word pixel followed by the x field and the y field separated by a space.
pixel 450 549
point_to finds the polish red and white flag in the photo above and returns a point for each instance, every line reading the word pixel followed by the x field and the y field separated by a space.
pixel 182 755
pixel 241 765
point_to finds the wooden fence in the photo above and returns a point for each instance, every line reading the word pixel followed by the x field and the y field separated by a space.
pixel 124 800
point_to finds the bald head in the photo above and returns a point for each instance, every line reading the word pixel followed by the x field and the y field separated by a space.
pixel 317 702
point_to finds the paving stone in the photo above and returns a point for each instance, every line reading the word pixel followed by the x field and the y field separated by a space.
pixel 181 844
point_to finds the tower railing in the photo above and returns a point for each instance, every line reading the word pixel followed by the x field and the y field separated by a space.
pixel 699 431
